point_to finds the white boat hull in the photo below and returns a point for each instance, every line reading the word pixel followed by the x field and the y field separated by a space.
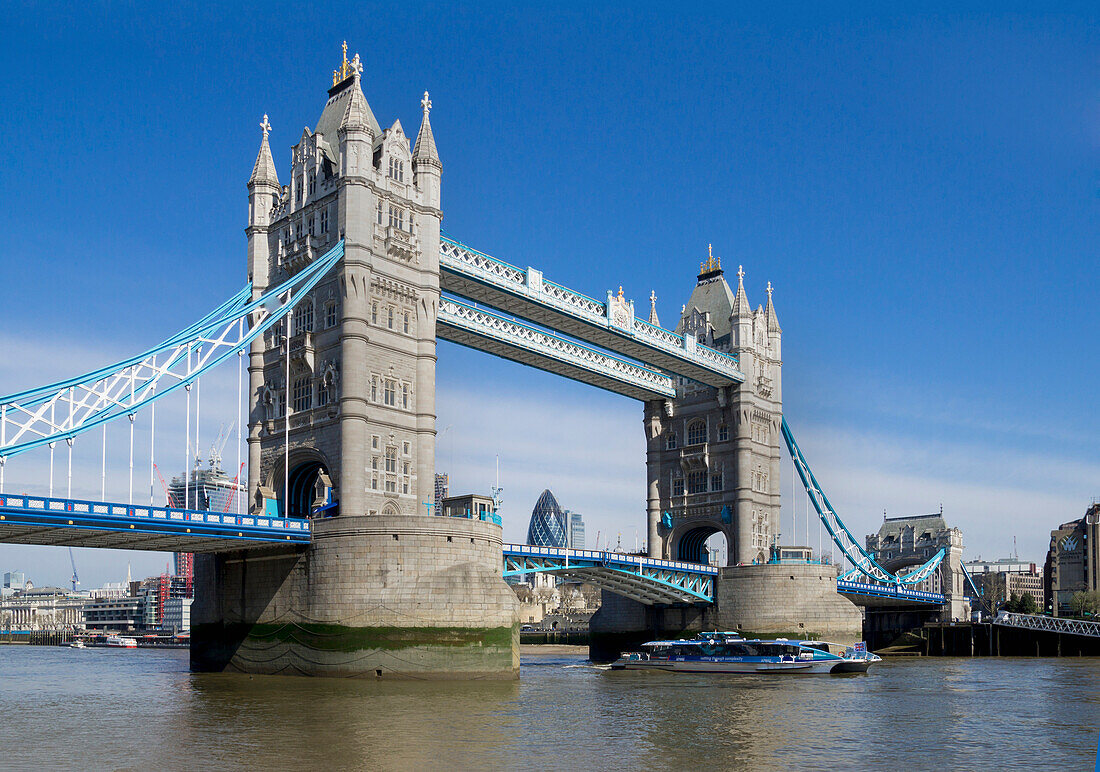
pixel 821 667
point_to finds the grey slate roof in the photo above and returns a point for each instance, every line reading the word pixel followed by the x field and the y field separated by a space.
pixel 332 117
pixel 713 295
pixel 893 526
pixel 424 149
pixel 264 168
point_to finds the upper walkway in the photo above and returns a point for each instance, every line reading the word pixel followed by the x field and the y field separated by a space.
pixel 612 326
pixel 75 523
pixel 1048 624
pixel 870 594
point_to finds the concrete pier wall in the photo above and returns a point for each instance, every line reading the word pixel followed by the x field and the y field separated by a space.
pixel 406 596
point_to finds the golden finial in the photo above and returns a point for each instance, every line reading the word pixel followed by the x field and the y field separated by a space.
pixel 712 263
pixel 344 71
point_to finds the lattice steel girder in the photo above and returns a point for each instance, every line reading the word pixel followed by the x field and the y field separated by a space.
pixel 480 329
pixel 902 595
pixel 63 410
pixel 644 579
pixel 76 523
pixel 524 293
pixel 1048 624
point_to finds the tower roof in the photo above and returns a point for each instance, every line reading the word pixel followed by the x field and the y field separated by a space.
pixel 741 307
pixel 346 107
pixel 712 294
pixel 424 150
pixel 769 313
pixel 263 171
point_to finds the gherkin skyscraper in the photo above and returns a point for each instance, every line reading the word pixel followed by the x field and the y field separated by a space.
pixel 547 528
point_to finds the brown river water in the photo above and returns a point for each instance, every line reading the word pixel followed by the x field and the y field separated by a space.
pixel 69 709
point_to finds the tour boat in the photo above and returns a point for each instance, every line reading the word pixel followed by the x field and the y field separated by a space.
pixel 118 642
pixel 77 644
pixel 730 653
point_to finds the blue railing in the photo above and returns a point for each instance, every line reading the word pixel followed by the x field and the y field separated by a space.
pixel 884 591
pixel 608 558
pixel 99 516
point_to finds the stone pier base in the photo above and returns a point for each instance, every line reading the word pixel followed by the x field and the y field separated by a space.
pixel 396 596
pixel 796 601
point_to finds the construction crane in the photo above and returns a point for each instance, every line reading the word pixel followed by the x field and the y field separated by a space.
pixel 167 495
pixel 218 445
pixel 75 580
pixel 231 500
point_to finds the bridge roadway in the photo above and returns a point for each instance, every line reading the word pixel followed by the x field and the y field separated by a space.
pixel 75 523
pixel 525 293
pixel 652 581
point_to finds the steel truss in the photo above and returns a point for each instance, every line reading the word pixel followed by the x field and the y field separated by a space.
pixel 63 410
pixel 864 562
pixel 462 323
pixel 1048 624
pixel 639 578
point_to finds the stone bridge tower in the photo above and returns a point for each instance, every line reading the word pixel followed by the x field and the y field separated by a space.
pixel 713 454
pixel 386 588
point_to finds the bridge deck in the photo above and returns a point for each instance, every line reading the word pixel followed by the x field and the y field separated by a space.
pixel 74 523
pixel 868 594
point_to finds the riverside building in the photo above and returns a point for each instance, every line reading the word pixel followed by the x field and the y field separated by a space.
pixel 1073 560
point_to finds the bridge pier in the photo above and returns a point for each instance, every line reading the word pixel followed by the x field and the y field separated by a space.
pixel 402 596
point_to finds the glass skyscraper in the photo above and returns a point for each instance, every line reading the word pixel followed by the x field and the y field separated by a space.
pixel 576 530
pixel 548 523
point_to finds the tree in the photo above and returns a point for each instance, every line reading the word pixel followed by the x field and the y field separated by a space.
pixel 1028 604
pixel 1013 603
pixel 1085 603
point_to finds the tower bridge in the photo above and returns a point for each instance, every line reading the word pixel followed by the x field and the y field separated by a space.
pixel 350 286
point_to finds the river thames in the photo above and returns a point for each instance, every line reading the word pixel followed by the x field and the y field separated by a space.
pixel 117 709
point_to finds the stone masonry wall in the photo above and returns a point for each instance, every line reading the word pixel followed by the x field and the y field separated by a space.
pixel 405 596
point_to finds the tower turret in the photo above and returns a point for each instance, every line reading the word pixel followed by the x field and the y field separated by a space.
pixel 775 333
pixel 427 167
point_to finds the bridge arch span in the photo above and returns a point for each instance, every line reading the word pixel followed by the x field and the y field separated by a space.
pixel 688 541
pixel 308 490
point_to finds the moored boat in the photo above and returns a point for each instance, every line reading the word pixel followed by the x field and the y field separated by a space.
pixel 730 653
pixel 77 644
pixel 119 642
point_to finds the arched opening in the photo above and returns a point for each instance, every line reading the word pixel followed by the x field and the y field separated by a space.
pixel 309 491
pixel 703 544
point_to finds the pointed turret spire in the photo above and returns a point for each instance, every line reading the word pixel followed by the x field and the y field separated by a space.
pixel 769 313
pixel 357 115
pixel 424 151
pixel 741 307
pixel 653 310
pixel 263 171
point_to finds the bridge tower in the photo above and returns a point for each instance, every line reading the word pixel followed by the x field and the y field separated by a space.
pixel 342 427
pixel 713 454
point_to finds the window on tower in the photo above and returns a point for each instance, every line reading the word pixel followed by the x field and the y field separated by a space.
pixel 311 233
pixel 389 395
pixel 330 314
pixel 723 433
pixel 697 433
pixel 312 183
pixel 379 211
pixel 697 482
pixel 405 396
pixel 303 317
pixel 397 169
pixel 391 459
pixel 406 321
pixel 716 481
pixel 374 313
pixel 678 486
pixel 324 220
pixel 303 394
pixel 670 441
pixel 389 322
pixel 298 190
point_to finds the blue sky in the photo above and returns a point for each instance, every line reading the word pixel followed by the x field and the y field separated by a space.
pixel 921 189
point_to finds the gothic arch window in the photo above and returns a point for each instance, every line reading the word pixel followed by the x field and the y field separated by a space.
pixel 374 313
pixel 389 322
pixel 723 433
pixel 670 441
pixel 697 432
pixel 303 317
pixel 303 394
pixel 406 322
pixel 330 314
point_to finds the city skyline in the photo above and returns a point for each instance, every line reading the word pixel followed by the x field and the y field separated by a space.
pixel 946 246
